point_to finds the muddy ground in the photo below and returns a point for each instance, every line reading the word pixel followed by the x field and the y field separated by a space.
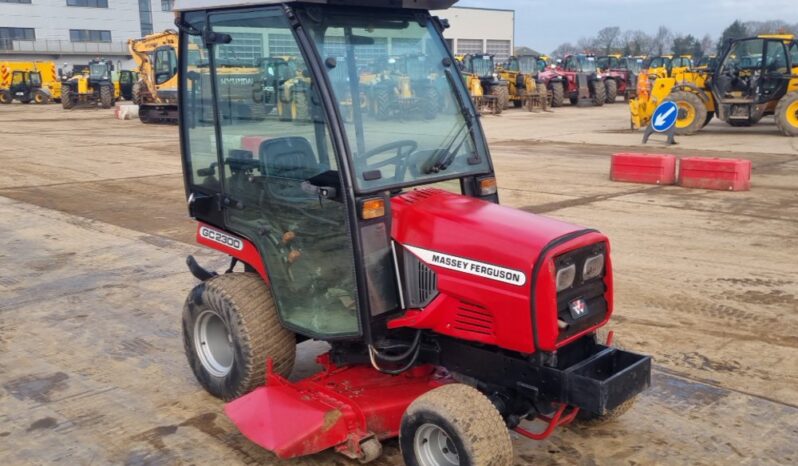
pixel 94 232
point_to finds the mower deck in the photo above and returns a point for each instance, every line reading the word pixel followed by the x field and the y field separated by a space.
pixel 341 407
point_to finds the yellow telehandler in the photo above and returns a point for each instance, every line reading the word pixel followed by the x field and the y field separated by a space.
pixel 520 72
pixel 754 77
pixel 94 86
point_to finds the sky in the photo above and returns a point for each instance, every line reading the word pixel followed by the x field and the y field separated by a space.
pixel 545 24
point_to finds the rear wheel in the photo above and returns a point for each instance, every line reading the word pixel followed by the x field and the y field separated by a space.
pixel 5 97
pixel 452 425
pixel 692 112
pixel 382 104
pixel 230 330
pixel 136 93
pixel 599 93
pixel 557 94
pixel 787 114
pixel 106 96
pixel 612 90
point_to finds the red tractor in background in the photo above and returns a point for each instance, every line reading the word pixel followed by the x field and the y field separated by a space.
pixel 554 81
pixel 450 319
pixel 616 79
pixel 584 85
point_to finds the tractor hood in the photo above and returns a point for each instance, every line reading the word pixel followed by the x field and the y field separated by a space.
pixel 472 229
pixel 478 271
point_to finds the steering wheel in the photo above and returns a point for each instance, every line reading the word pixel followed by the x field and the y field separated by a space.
pixel 403 149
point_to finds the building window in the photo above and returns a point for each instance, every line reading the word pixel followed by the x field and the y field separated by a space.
pixel 499 48
pixel 145 17
pixel 17 34
pixel 167 5
pixel 88 35
pixel 404 46
pixel 14 1
pixel 465 46
pixel 88 3
pixel 282 45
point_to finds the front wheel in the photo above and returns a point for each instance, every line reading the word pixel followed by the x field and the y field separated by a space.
pixel 41 98
pixel 502 95
pixel 454 424
pixel 68 99
pixel 230 330
pixel 106 96
pixel 599 93
pixel 5 97
pixel 557 94
pixel 612 90
pixel 692 112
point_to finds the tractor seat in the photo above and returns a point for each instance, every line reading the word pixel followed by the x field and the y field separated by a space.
pixel 289 157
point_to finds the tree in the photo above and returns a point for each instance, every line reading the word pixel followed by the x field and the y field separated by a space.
pixel 707 45
pixel 687 45
pixel 607 40
pixel 660 41
pixel 564 49
pixel 736 30
pixel 635 43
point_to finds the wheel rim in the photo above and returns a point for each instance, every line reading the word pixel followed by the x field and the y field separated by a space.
pixel 213 344
pixel 38 99
pixel 434 447
pixel 686 115
pixel 792 114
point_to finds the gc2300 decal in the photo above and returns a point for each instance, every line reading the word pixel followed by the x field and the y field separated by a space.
pixel 469 266
pixel 222 238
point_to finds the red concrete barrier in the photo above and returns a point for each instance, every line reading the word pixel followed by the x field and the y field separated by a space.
pixel 643 168
pixel 715 173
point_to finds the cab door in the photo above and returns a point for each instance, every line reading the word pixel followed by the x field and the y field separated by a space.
pixel 276 174
pixel 775 72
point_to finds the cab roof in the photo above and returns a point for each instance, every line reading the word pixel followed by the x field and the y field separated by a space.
pixel 187 5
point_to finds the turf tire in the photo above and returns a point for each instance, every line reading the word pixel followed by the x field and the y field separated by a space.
pixel 246 305
pixel 787 124
pixel 472 423
pixel 611 87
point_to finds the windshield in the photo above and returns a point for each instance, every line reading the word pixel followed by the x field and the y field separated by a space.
pixel 98 70
pixel 399 102
pixel 36 79
pixel 632 64
pixel 528 65
pixel 587 64
pixel 659 62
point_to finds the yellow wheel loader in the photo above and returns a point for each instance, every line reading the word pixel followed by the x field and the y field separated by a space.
pixel 524 90
pixel 155 91
pixel 754 77
pixel 96 86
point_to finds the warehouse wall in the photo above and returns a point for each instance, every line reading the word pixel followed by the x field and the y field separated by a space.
pixel 479 30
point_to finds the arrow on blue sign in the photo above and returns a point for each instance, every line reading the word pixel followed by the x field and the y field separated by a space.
pixel 664 116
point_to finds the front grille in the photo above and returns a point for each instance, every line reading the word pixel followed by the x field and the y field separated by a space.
pixel 592 291
pixel 421 282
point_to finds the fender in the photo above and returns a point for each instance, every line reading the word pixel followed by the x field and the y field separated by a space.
pixel 232 245
pixel 690 87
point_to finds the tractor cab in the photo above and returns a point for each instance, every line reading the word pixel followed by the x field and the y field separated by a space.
pixel 583 83
pixel 383 238
pixel 100 71
pixel 752 75
pixel 525 64
pixel 610 62
pixel 633 64
pixel 488 92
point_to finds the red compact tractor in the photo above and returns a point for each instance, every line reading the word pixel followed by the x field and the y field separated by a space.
pixel 450 319
pixel 583 84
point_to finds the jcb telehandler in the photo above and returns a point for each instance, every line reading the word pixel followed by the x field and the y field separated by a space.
pixel 488 92
pixel 754 77
pixel 520 72
pixel 450 319
pixel 583 83
pixel 95 86
pixel 26 87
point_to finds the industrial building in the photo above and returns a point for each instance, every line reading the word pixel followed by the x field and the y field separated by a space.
pixel 480 30
pixel 74 31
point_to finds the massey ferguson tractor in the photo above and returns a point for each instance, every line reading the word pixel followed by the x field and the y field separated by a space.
pixel 584 85
pixel 451 320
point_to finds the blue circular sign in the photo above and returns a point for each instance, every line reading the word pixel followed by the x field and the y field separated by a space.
pixel 664 116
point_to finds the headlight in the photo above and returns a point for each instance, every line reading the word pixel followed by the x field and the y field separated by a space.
pixel 593 267
pixel 565 277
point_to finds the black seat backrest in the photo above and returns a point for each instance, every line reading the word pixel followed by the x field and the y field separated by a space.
pixel 288 157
